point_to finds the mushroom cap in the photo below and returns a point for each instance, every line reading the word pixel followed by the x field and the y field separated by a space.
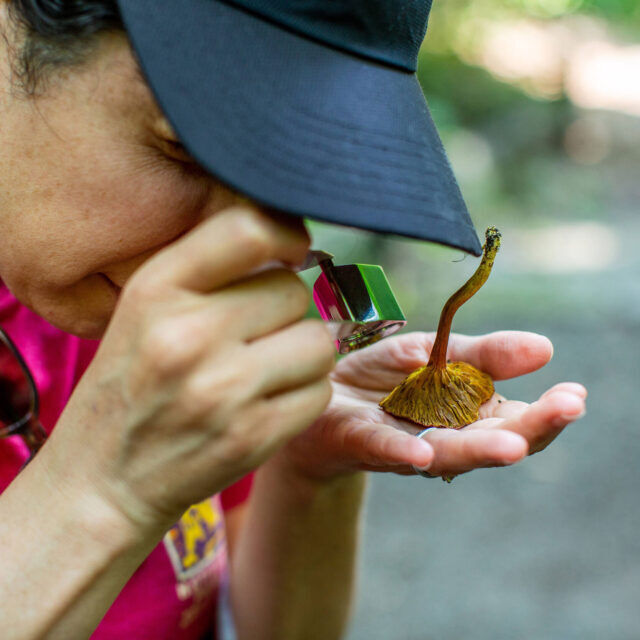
pixel 448 398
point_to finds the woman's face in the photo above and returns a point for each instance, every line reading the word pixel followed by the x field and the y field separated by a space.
pixel 92 183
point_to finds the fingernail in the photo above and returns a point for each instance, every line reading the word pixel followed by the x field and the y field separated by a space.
pixel 570 417
pixel 565 418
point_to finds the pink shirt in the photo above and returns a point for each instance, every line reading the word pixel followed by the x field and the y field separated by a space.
pixel 174 593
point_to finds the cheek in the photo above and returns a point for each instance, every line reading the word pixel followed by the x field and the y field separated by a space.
pixel 65 232
pixel 95 221
pixel 127 216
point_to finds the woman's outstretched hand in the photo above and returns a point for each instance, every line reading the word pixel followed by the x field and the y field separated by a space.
pixel 355 434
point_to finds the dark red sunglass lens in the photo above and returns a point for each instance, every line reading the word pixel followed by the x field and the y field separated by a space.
pixel 16 395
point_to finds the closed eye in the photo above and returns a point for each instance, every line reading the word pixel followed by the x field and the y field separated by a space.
pixel 177 151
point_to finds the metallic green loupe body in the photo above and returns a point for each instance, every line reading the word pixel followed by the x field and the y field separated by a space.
pixel 357 302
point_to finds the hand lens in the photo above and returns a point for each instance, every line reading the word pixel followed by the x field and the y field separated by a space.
pixel 355 300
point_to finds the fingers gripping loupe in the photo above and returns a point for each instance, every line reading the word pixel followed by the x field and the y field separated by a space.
pixel 355 300
pixel 19 403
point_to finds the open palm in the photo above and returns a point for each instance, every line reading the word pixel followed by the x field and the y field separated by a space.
pixel 354 433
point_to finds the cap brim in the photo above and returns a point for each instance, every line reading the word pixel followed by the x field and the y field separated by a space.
pixel 297 125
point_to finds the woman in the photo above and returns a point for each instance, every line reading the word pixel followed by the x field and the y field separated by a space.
pixel 113 229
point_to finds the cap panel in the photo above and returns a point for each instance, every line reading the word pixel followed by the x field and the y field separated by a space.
pixel 388 31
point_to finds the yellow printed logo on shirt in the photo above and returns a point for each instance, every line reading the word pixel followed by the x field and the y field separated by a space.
pixel 197 539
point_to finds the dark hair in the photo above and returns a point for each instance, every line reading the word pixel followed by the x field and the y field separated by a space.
pixel 57 33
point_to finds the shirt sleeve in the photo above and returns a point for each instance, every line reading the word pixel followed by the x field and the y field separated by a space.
pixel 237 493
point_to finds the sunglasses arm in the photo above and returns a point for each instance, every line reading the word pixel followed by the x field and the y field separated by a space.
pixel 34 436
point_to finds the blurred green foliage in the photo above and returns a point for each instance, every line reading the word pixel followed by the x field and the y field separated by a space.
pixel 525 133
pixel 623 12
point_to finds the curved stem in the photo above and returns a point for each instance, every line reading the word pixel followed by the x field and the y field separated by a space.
pixel 438 357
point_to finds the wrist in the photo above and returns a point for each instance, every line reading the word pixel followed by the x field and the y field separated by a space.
pixel 66 551
pixel 86 511
pixel 307 486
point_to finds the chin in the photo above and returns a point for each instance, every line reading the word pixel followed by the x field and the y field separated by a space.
pixel 87 329
pixel 84 311
pixel 88 326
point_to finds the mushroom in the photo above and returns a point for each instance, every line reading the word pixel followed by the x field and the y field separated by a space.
pixel 447 394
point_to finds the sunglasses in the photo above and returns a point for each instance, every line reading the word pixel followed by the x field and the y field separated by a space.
pixel 19 402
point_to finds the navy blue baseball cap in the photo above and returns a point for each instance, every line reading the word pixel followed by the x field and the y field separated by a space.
pixel 311 107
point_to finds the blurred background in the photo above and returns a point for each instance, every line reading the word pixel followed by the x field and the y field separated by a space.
pixel 538 104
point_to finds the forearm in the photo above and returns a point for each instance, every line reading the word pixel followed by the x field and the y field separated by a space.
pixel 294 567
pixel 64 557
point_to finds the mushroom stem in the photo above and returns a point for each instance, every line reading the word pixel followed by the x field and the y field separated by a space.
pixel 438 358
